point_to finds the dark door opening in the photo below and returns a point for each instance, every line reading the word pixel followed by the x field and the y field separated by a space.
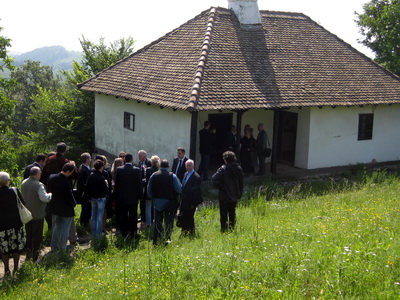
pixel 287 137
pixel 222 124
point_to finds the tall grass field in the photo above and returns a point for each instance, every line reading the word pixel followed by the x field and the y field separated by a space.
pixel 331 239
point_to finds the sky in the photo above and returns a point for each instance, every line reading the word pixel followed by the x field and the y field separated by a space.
pixel 34 24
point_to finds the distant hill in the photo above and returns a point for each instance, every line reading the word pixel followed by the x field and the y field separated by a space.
pixel 55 56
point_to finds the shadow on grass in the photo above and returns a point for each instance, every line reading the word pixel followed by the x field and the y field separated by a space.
pixel 35 271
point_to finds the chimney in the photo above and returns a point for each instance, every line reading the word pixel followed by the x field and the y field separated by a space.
pixel 246 11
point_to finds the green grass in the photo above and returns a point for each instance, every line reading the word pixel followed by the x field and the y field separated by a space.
pixel 317 240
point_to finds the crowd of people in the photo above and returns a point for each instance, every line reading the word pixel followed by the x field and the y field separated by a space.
pixel 54 185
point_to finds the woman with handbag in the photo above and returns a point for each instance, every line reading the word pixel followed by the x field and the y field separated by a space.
pixel 12 234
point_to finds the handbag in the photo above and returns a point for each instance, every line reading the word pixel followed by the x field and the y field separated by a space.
pixel 267 151
pixel 24 213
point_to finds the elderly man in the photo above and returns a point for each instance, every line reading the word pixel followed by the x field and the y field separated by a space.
pixel 190 198
pixel 162 189
pixel 36 199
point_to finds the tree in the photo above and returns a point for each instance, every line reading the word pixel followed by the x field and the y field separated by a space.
pixel 30 77
pixel 380 26
pixel 7 106
pixel 66 113
pixel 97 57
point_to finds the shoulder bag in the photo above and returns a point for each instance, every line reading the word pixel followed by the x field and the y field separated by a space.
pixel 24 213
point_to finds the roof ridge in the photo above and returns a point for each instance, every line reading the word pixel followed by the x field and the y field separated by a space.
pixel 143 49
pixel 195 92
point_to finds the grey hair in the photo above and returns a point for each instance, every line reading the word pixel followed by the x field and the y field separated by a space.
pixel 34 171
pixel 4 178
pixel 142 152
pixel 189 161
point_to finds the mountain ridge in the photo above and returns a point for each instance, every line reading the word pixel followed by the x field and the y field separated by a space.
pixel 55 56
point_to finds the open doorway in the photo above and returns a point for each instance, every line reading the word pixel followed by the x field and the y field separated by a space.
pixel 287 137
pixel 222 124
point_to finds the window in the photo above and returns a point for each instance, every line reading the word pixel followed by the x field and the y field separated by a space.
pixel 129 121
pixel 365 125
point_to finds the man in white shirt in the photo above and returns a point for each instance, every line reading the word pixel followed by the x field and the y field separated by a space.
pixel 36 199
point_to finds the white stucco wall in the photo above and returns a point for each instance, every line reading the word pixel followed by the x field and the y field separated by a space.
pixel 333 136
pixel 157 133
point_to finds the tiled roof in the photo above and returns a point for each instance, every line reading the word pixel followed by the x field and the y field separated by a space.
pixel 212 63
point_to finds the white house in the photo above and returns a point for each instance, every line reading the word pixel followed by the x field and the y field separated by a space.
pixel 323 103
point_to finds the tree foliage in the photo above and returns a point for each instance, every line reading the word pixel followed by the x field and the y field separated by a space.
pixel 31 77
pixel 97 57
pixel 63 112
pixel 380 26
pixel 7 107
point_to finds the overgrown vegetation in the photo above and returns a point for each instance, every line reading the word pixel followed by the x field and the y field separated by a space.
pixel 333 239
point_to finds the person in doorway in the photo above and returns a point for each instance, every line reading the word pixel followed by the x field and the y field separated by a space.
pixel 261 146
pixel 231 140
pixel 248 147
pixel 206 136
pixel 230 182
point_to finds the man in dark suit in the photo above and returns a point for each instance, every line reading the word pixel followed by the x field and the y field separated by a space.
pixel 206 139
pixel 84 172
pixel 128 190
pixel 231 140
pixel 144 163
pixel 190 198
pixel 39 162
pixel 178 165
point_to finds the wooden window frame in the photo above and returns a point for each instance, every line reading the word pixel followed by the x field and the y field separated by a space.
pixel 129 121
pixel 365 126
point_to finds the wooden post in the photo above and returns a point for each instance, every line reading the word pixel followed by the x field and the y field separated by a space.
pixel 239 116
pixel 193 135
pixel 274 156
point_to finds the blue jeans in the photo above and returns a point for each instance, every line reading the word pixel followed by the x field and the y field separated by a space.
pixel 96 221
pixel 59 236
pixel 149 212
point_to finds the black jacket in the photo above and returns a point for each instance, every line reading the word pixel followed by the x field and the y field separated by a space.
pixel 191 195
pixel 182 169
pixel 9 215
pixel 230 181
pixel 128 185
pixel 62 202
pixel 96 186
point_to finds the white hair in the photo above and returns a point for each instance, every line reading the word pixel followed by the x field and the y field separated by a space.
pixel 4 178
pixel 189 161
pixel 142 152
